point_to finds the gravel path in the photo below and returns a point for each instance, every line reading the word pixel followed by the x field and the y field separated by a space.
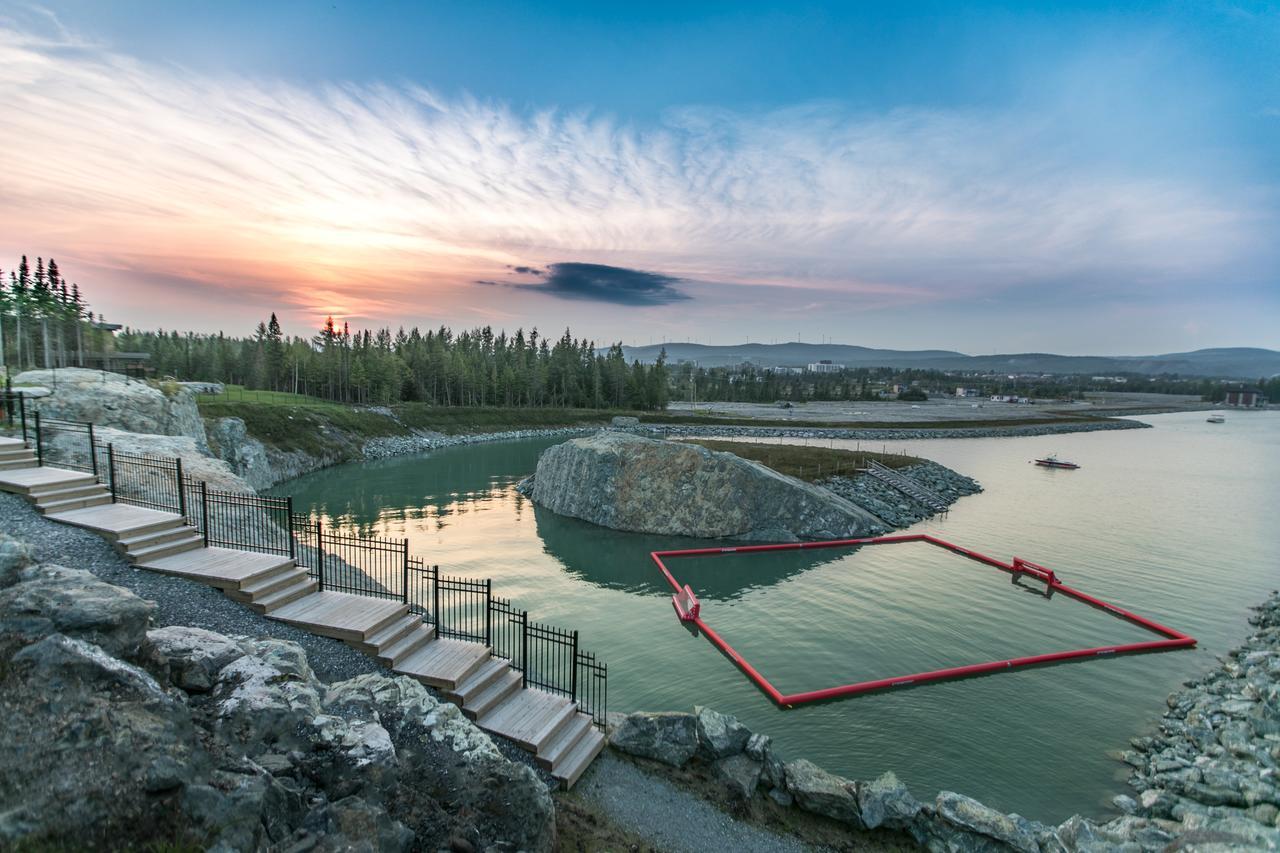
pixel 183 602
pixel 669 817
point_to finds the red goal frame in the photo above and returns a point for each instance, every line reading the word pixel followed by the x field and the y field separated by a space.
pixel 689 610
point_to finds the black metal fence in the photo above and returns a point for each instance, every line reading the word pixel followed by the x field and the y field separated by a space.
pixel 244 521
pixel 13 413
pixel 66 444
pixel 547 657
pixel 143 480
pixel 362 565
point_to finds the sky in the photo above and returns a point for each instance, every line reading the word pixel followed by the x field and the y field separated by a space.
pixel 1072 178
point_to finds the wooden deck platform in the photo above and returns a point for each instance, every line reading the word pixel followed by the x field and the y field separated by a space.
pixel 444 663
pixel 24 480
pixel 7 443
pixel 219 567
pixel 529 717
pixel 116 520
pixel 340 615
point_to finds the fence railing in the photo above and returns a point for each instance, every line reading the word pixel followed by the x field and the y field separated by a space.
pixel 548 657
pixel 13 412
pixel 143 480
pixel 67 444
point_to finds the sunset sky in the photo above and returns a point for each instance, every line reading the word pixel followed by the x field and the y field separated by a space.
pixel 1081 179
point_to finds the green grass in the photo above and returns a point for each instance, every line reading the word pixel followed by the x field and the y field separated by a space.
pixel 454 420
pixel 808 463
pixel 317 430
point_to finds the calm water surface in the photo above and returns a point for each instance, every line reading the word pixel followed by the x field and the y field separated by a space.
pixel 1177 523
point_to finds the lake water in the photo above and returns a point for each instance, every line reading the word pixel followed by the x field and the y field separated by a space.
pixel 1177 523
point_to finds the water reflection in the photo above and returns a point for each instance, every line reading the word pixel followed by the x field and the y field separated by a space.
pixel 617 559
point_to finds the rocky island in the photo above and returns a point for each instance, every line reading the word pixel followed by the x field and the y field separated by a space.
pixel 629 482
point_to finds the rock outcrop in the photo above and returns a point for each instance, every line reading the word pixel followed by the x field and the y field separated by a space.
pixel 120 738
pixel 111 400
pixel 628 482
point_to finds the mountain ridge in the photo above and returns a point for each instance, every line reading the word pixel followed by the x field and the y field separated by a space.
pixel 1248 363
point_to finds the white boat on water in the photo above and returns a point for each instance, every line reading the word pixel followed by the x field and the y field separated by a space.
pixel 1216 418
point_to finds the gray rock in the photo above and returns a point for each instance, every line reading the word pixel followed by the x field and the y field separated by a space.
pixel 624 422
pixel 719 735
pixel 740 774
pixel 230 441
pixel 759 747
pixel 51 599
pixel 14 557
pixel 192 657
pixel 111 400
pixel 669 737
pixel 823 793
pixel 967 813
pixel 627 482
pixel 886 802
pixel 364 826
pixel 1125 803
pixel 781 797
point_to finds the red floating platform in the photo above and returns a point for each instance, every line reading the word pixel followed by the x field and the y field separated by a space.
pixel 688 609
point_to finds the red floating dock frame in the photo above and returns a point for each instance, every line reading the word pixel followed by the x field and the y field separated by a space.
pixel 688 609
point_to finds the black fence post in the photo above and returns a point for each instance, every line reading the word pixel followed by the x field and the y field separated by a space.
pixel 93 453
pixel 320 554
pixel 524 649
pixel 293 548
pixel 435 600
pixel 22 410
pixel 488 612
pixel 404 572
pixel 182 492
pixel 573 669
pixel 39 444
pixel 111 469
pixel 204 510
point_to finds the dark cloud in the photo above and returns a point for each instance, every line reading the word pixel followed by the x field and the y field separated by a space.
pixel 619 285
pixel 529 270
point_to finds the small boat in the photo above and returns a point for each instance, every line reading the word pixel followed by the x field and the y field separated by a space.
pixel 1053 461
pixel 1216 418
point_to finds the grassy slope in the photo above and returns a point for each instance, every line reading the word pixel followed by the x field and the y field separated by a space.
pixel 806 463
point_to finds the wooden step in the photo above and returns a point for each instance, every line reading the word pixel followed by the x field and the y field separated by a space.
pixel 64 479
pixel 266 583
pixel 388 636
pixel 498 691
pixel 558 748
pixel 300 589
pixel 479 680
pixel 580 757
pixel 407 645
pixel 15 463
pixel 553 727
pixel 444 663
pixel 167 549
pixel 81 491
pixel 47 507
pixel 146 540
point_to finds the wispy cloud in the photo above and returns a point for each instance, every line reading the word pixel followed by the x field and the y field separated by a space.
pixel 394 196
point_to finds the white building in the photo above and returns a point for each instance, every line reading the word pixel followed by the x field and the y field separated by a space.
pixel 825 366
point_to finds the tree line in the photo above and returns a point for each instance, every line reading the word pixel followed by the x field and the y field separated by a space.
pixel 477 367
pixel 44 321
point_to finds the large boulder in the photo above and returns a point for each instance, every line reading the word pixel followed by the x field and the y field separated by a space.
pixel 50 599
pixel 669 737
pixel 111 400
pixel 887 802
pixel 192 657
pixel 823 793
pixel 719 735
pixel 14 557
pixel 969 815
pixel 629 482
pixel 196 462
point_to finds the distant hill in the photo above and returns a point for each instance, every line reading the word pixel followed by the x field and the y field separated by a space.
pixel 1227 363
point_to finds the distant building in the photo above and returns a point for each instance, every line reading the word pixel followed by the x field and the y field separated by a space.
pixel 1246 398
pixel 825 366
pixel 966 392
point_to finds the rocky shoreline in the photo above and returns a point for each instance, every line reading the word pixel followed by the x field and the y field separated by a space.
pixel 121 735
pixel 1215 759
pixel 896 508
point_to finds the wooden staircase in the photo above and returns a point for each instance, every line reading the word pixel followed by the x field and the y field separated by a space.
pixel 486 688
